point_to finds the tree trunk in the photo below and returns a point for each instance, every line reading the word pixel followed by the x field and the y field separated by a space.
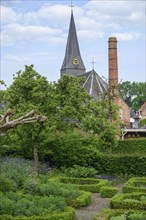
pixel 36 159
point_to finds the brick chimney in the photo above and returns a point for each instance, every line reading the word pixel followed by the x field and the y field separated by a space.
pixel 113 67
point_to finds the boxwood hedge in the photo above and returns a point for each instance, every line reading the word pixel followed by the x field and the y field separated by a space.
pixel 135 201
pixel 108 214
pixel 108 192
pixel 86 184
pixel 135 184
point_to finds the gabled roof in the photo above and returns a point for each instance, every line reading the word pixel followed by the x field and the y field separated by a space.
pixel 94 84
pixel 72 53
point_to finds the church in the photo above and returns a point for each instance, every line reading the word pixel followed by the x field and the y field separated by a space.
pixel 95 86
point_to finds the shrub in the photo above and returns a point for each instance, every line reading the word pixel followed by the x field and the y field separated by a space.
pixel 6 184
pixel 130 146
pixel 121 164
pixel 67 214
pixel 51 188
pixel 135 185
pixel 128 201
pixel 108 214
pixel 70 149
pixel 108 192
pixel 16 204
pixel 83 200
pixel 86 184
pixel 80 172
pixel 137 216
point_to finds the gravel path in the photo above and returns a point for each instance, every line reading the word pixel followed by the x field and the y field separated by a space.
pixel 87 213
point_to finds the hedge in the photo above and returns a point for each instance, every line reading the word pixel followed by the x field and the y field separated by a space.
pixel 68 214
pixel 129 201
pixel 130 146
pixel 107 214
pixel 83 200
pixel 121 164
pixel 86 184
pixel 135 185
pixel 108 192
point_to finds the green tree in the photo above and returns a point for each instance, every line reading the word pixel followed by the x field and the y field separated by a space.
pixel 133 93
pixel 28 91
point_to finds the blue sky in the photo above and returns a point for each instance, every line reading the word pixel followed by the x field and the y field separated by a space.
pixel 35 32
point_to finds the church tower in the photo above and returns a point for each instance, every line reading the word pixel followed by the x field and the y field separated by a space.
pixel 73 63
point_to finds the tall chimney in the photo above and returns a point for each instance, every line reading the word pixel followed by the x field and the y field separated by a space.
pixel 113 67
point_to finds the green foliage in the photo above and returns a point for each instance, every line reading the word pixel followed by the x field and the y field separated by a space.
pixel 83 200
pixel 54 188
pixel 17 170
pixel 135 185
pixel 107 139
pixel 109 214
pixel 142 122
pixel 80 172
pixel 27 205
pixel 108 192
pixel 67 214
pixel 137 216
pixel 86 184
pixel 97 121
pixel 130 146
pixel 6 184
pixel 68 149
pixel 121 217
pixel 120 164
pixel 128 201
pixel 133 93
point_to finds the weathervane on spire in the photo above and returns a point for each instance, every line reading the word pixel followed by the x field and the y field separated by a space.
pixel 93 62
pixel 71 6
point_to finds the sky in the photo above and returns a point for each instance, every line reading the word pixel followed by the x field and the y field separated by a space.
pixel 35 32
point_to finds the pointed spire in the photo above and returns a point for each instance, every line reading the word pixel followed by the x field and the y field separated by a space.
pixel 73 63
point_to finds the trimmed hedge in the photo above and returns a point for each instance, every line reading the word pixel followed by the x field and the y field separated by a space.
pixel 86 184
pixel 128 201
pixel 108 192
pixel 107 214
pixel 68 214
pixel 135 185
pixel 83 200
pixel 121 164
pixel 130 146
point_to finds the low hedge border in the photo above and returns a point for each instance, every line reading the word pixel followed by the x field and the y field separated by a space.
pixel 128 201
pixel 107 214
pixel 68 214
pixel 86 184
pixel 135 184
pixel 81 201
pixel 108 192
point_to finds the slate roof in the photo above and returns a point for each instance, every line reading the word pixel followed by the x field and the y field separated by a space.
pixel 72 52
pixel 94 84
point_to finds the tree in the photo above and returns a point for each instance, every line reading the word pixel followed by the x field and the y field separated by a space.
pixel 30 117
pixel 133 93
pixel 28 91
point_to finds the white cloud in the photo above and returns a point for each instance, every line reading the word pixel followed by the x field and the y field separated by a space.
pixel 14 32
pixel 90 34
pixel 8 15
pixel 124 13
pixel 27 57
pixel 126 36
pixel 136 16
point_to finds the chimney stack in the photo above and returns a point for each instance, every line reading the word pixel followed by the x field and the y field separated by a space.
pixel 113 67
